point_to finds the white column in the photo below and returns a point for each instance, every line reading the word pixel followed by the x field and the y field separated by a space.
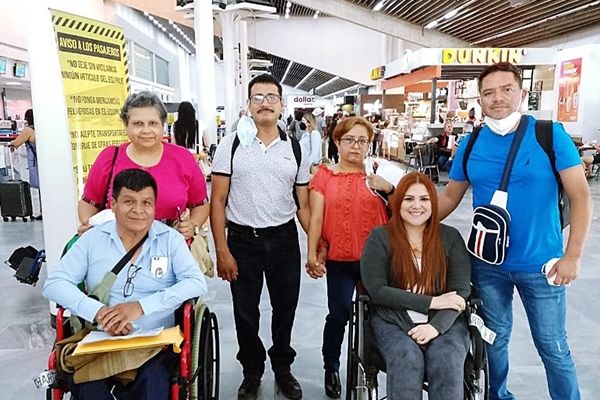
pixel 205 62
pixel 185 86
pixel 57 184
pixel 236 65
pixel 244 62
pixel 226 20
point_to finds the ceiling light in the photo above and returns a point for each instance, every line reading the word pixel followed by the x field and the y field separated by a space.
pixel 451 14
pixel 11 83
pixel 519 3
pixel 379 6
pixel 431 25
pixel 287 16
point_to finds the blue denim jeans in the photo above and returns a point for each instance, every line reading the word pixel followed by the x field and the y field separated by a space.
pixel 545 307
pixel 342 277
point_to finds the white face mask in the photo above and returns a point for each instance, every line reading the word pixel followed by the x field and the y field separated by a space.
pixel 246 130
pixel 505 125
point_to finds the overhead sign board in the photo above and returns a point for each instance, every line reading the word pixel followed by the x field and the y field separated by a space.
pixel 482 56
pixel 377 73
pixel 413 60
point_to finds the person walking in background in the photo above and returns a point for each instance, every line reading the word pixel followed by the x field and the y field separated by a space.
pixel 234 125
pixel 311 139
pixel 332 150
pixel 187 128
pixel 178 176
pixel 319 121
pixel 259 185
pixel 344 209
pixel 443 147
pixel 27 137
pixel 535 229
pixel 417 274
pixel 293 128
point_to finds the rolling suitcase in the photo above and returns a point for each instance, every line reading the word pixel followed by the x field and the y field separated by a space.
pixel 15 196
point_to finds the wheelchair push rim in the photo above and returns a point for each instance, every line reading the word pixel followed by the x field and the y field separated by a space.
pixel 204 384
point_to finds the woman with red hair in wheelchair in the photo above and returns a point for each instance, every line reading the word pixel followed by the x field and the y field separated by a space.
pixel 417 273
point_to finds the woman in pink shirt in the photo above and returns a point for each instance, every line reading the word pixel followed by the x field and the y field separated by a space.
pixel 180 181
pixel 344 209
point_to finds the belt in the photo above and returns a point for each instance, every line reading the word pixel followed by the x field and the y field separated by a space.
pixel 261 232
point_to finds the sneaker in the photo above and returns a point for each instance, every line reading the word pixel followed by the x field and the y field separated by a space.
pixel 288 385
pixel 248 390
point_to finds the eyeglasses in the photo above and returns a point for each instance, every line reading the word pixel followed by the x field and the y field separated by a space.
pixel 350 141
pixel 259 98
pixel 131 273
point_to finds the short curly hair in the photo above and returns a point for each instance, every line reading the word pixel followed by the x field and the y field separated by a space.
pixel 142 100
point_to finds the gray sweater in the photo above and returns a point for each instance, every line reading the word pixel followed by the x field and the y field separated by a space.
pixel 391 303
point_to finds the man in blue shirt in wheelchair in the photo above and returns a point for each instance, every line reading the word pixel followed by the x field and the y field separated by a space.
pixel 160 276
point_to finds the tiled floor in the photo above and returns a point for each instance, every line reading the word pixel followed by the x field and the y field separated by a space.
pixel 26 337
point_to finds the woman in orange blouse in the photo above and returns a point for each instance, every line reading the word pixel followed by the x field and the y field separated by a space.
pixel 344 209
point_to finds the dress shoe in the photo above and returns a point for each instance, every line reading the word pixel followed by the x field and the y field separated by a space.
pixel 333 386
pixel 288 385
pixel 248 390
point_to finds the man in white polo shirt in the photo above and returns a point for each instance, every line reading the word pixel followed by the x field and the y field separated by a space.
pixel 259 183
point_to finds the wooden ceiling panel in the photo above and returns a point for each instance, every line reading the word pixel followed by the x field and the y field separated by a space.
pixel 492 22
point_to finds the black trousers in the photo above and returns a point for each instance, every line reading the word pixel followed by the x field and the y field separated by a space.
pixel 273 256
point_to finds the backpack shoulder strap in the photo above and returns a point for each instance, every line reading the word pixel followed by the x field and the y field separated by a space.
pixel 544 134
pixel 469 149
pixel 234 146
pixel 298 156
pixel 297 151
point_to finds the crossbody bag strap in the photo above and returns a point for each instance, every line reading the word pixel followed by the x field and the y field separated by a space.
pixel 512 155
pixel 110 177
pixel 128 256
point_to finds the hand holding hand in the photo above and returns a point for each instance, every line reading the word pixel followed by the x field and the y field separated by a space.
pixel 423 334
pixel 315 269
pixel 449 300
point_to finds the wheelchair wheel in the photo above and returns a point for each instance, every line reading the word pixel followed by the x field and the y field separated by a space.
pixel 476 375
pixel 361 379
pixel 352 363
pixel 205 355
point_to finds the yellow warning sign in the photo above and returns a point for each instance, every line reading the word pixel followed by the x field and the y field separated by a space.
pixel 94 69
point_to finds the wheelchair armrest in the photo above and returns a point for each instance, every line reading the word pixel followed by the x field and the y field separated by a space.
pixel 60 323
pixel 184 310
pixel 475 301
pixel 365 298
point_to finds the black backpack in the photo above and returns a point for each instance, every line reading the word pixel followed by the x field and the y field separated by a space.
pixel 543 134
pixel 297 155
